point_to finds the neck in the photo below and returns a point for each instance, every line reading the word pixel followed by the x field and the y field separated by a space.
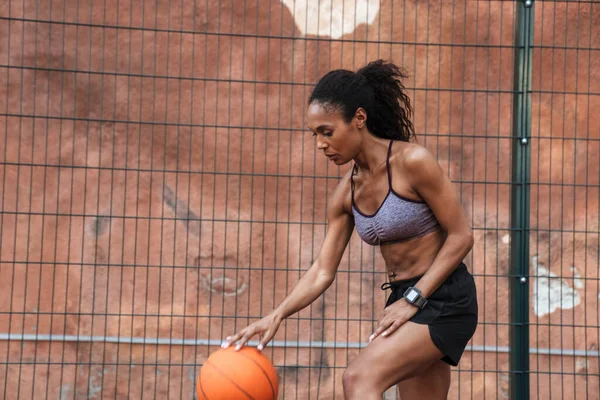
pixel 372 153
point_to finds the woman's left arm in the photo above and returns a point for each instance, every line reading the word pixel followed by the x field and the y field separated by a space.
pixel 429 180
pixel 431 183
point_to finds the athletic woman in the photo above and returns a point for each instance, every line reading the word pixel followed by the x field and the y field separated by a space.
pixel 399 199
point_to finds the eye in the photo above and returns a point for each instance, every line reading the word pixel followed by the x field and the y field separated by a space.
pixel 328 133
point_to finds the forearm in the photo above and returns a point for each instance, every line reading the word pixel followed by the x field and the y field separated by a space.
pixel 454 250
pixel 310 286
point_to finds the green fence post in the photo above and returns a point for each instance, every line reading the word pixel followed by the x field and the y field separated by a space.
pixel 519 253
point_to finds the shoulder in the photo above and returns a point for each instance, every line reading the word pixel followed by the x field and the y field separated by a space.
pixel 415 161
pixel 410 156
pixel 341 199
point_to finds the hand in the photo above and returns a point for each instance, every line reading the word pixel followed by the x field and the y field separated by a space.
pixel 264 328
pixel 393 317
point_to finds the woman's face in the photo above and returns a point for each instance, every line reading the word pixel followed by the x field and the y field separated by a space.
pixel 338 140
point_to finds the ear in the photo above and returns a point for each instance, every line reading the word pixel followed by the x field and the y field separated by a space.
pixel 360 117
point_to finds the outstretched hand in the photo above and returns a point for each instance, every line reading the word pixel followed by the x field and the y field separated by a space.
pixel 264 328
pixel 393 317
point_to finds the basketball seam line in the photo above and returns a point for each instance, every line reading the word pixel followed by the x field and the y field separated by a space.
pixel 263 371
pixel 201 388
pixel 229 379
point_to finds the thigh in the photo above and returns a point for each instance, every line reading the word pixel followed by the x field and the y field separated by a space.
pixel 432 384
pixel 407 352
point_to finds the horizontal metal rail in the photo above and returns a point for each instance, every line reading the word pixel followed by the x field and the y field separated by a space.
pixel 275 343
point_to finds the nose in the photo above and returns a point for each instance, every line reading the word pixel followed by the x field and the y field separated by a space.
pixel 321 144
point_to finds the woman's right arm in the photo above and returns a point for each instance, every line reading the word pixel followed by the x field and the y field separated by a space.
pixel 316 279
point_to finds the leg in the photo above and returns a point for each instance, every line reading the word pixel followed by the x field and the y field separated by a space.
pixel 432 384
pixel 386 361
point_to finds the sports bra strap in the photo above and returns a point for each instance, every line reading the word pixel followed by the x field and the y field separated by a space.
pixel 387 163
pixel 352 181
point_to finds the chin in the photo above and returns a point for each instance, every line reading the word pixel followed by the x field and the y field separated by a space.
pixel 339 161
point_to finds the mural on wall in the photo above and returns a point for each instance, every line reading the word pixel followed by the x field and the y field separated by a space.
pixel 331 18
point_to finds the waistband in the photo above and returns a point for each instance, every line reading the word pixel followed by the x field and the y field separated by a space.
pixel 412 281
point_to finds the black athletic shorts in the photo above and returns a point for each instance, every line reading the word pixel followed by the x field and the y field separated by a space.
pixel 450 313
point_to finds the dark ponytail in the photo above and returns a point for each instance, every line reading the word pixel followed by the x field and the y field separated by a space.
pixel 378 89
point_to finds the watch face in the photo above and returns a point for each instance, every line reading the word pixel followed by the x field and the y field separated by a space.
pixel 412 295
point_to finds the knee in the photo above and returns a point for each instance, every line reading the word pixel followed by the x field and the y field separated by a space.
pixel 355 381
pixel 349 379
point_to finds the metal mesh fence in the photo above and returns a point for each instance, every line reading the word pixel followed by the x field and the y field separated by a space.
pixel 160 189
pixel 565 176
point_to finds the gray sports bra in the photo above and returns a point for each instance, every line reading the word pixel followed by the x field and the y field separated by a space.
pixel 397 218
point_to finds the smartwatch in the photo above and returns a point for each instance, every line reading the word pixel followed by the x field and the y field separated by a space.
pixel 413 296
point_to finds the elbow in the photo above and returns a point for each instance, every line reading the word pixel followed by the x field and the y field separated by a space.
pixel 469 240
pixel 324 277
pixel 465 240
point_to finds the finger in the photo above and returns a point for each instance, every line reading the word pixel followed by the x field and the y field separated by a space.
pixel 265 339
pixel 261 342
pixel 392 328
pixel 244 340
pixel 231 339
pixel 383 325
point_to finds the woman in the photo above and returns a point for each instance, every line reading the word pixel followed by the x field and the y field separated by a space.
pixel 399 199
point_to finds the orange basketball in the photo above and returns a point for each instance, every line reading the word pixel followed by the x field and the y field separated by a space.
pixel 237 375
